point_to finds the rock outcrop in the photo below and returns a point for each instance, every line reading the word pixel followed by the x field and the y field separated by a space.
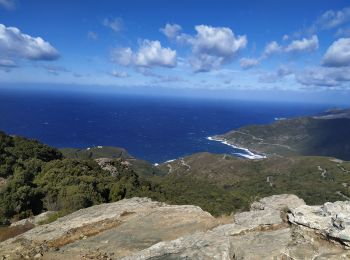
pixel 276 227
pixel 332 220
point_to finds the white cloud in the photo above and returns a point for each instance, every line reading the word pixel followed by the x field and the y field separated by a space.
pixel 8 4
pixel 115 24
pixel 302 45
pixel 272 77
pixel 327 77
pixel 171 30
pixel 92 35
pixel 213 46
pixel 119 74
pixel 271 48
pixel 13 43
pixel 7 63
pixel 247 63
pixel 285 37
pixel 338 54
pixel 149 54
pixel 343 32
pixel 331 19
pixel 122 56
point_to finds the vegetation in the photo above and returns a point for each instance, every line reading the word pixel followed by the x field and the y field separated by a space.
pixel 315 179
pixel 299 136
pixel 38 178
pixel 95 152
pixel 35 178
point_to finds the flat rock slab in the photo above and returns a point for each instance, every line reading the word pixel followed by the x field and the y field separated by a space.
pixel 144 230
pixel 278 202
pixel 128 224
pixel 332 220
pixel 251 219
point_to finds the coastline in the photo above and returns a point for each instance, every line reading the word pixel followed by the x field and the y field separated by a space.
pixel 249 154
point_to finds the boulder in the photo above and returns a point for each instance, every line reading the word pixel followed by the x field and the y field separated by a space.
pixel 278 202
pixel 332 220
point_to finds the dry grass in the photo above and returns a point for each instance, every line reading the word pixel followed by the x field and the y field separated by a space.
pixel 84 231
pixel 225 219
pixel 9 232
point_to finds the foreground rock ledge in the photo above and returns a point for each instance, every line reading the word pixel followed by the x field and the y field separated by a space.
pixel 277 227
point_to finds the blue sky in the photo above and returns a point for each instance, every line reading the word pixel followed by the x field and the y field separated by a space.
pixel 216 46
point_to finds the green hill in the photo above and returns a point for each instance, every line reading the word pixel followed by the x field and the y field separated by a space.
pixel 96 152
pixel 315 179
pixel 323 135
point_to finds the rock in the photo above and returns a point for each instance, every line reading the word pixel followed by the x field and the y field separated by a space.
pixel 331 220
pixel 129 225
pixel 255 218
pixel 139 228
pixel 39 255
pixel 278 202
pixel 35 220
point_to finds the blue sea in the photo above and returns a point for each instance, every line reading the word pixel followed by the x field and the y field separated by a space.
pixel 156 129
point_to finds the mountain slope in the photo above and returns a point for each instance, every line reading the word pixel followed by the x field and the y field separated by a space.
pixel 324 135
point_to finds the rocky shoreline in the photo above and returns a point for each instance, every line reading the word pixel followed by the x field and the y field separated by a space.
pixel 248 153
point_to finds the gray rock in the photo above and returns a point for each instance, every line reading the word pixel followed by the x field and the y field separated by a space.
pixel 35 220
pixel 128 225
pixel 331 220
pixel 278 202
pixel 139 228
pixel 255 218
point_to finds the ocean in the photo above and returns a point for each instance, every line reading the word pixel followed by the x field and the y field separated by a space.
pixel 155 129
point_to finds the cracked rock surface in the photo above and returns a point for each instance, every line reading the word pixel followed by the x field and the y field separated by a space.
pixel 276 227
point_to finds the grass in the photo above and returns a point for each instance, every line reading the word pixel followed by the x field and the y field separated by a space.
pixel 10 232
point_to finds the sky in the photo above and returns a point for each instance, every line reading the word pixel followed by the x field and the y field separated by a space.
pixel 276 49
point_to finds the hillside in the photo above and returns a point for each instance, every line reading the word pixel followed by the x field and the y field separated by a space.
pixel 315 179
pixel 322 135
pixel 141 167
pixel 219 184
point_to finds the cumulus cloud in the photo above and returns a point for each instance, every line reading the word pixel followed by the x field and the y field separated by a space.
pixel 305 44
pixel 119 74
pixel 171 30
pixel 272 77
pixel 213 46
pixel 326 77
pixel 8 4
pixel 115 24
pixel 338 54
pixel 149 54
pixel 13 43
pixel 247 63
pixel 271 48
pixel 285 37
pixel 331 19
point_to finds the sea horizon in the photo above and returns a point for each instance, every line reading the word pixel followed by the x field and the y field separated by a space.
pixel 153 128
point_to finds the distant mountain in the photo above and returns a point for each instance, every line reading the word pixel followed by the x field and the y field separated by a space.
pixel 326 134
